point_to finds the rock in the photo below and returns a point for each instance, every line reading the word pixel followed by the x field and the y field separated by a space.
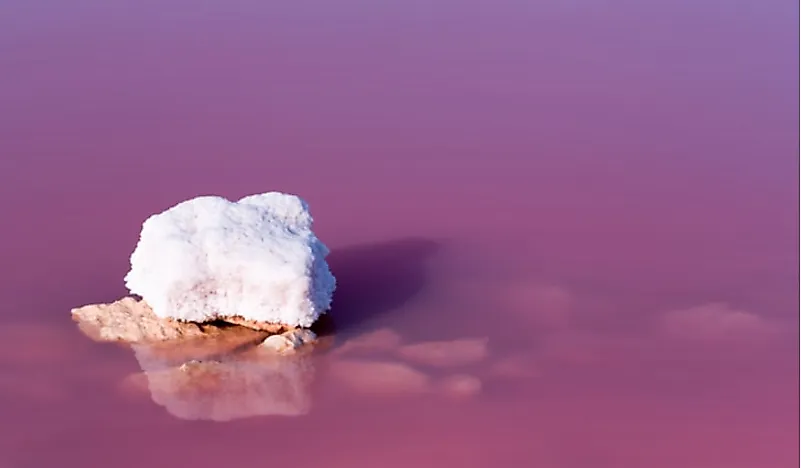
pixel 272 328
pixel 379 340
pixel 379 377
pixel 226 388
pixel 289 342
pixel 132 321
pixel 446 353
pixel 460 385
pixel 254 262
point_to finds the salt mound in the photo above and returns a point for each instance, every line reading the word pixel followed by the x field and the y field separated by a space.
pixel 255 260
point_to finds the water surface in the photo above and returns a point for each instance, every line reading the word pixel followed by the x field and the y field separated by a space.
pixel 604 190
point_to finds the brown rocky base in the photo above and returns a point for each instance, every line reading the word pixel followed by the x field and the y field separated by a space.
pixel 133 321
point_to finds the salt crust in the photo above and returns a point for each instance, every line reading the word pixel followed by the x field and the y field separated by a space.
pixel 257 259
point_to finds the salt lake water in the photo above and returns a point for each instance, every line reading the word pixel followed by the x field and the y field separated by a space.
pixel 605 193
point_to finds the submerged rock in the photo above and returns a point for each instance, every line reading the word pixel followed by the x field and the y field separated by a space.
pixel 446 353
pixel 394 378
pixel 254 262
pixel 460 385
pixel 515 367
pixel 383 339
pixel 379 377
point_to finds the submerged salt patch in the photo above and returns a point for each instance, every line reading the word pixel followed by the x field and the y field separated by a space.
pixel 257 259
pixel 383 339
pixel 461 385
pixel 379 377
pixel 459 352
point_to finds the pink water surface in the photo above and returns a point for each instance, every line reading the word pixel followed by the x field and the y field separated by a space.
pixel 606 190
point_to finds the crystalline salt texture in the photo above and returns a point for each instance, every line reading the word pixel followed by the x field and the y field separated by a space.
pixel 209 258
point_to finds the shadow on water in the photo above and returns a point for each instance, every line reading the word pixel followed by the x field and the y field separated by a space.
pixel 374 279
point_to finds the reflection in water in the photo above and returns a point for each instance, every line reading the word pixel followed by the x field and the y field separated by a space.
pixel 229 387
pixel 258 381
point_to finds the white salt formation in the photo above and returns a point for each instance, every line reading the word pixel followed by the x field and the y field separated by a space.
pixel 254 261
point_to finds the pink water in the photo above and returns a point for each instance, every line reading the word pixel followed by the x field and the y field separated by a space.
pixel 606 190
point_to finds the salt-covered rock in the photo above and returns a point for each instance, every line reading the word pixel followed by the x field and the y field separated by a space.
pixel 254 262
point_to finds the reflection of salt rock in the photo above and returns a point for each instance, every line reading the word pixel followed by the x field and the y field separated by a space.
pixel 133 321
pixel 254 262
pixel 379 377
pixel 446 353
pixel 229 387
pixel 460 385
pixel 717 321
pixel 288 342
pixel 226 341
pixel 135 385
pixel 378 340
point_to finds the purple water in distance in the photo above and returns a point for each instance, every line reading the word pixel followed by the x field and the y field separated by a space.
pixel 605 190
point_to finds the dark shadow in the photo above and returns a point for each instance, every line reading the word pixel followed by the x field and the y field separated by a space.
pixel 374 279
